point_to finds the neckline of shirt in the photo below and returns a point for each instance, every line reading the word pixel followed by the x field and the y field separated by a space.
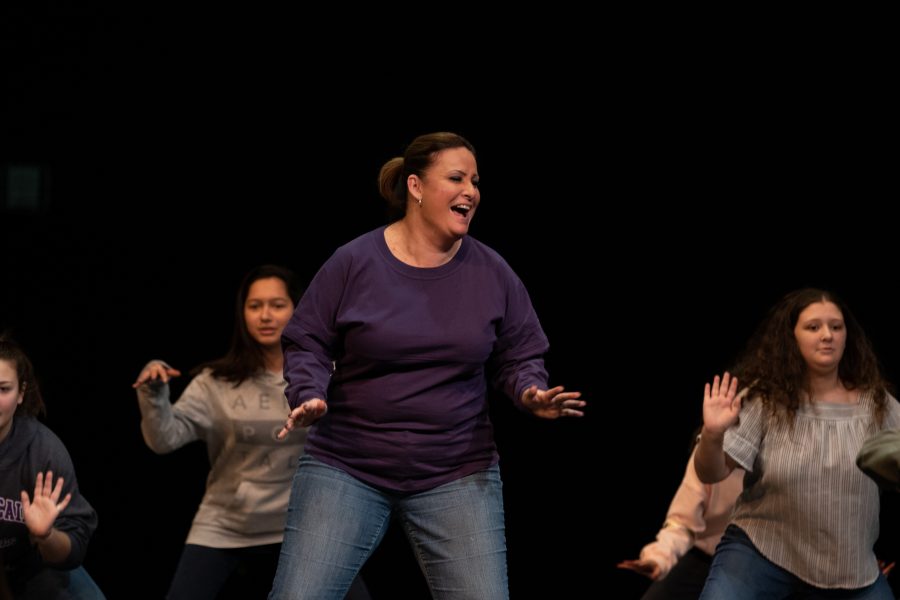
pixel 420 272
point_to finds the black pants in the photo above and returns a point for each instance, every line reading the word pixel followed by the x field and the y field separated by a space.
pixel 204 572
pixel 686 579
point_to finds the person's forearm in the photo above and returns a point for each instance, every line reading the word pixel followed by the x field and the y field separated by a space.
pixel 54 548
pixel 672 542
pixel 709 460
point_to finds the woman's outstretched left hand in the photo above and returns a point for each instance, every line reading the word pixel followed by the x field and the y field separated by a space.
pixel 553 403
pixel 303 416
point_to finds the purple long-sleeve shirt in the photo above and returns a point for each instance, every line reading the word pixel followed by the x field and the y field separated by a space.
pixel 411 348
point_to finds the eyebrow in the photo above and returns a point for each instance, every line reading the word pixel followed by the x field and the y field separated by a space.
pixel 266 298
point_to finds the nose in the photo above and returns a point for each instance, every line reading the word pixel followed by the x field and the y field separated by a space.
pixel 265 314
pixel 470 190
pixel 826 333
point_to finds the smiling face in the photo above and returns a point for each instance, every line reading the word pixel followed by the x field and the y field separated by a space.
pixel 267 310
pixel 446 195
pixel 11 396
pixel 821 336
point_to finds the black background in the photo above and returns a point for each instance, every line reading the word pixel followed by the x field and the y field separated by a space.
pixel 656 198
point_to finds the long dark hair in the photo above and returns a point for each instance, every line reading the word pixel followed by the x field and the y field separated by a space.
pixel 32 403
pixel 776 371
pixel 245 357
pixel 419 155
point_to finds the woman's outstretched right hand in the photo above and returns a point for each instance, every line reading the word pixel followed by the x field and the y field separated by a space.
pixel 40 511
pixel 721 404
pixel 304 415
pixel 156 371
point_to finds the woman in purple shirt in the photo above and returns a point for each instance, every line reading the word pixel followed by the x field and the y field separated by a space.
pixel 388 356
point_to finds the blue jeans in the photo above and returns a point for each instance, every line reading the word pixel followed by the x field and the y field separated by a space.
pixel 740 572
pixel 335 522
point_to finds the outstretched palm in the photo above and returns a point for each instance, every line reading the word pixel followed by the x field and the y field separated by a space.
pixel 721 403
pixel 41 513
pixel 553 403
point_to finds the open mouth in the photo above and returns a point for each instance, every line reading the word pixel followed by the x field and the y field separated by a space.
pixel 462 209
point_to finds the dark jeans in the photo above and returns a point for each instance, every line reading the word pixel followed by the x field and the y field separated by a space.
pixel 685 580
pixel 203 573
pixel 740 572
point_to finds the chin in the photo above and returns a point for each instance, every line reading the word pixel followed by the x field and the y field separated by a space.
pixel 829 366
pixel 459 231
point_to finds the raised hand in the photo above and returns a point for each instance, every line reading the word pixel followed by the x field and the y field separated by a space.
pixel 553 403
pixel 721 404
pixel 155 372
pixel 41 513
pixel 304 415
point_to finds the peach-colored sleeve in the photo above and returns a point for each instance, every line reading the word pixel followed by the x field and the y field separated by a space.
pixel 697 516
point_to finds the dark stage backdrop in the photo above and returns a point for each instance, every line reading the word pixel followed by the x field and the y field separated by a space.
pixel 653 222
